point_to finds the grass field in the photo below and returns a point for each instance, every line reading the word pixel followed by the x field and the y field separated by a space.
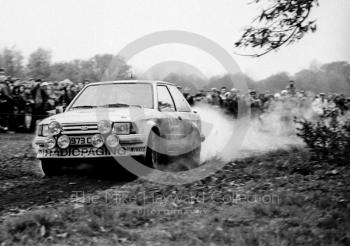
pixel 278 198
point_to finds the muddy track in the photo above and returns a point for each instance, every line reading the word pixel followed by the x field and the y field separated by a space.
pixel 22 184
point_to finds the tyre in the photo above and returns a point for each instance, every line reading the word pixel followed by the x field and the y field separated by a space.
pixel 51 168
pixel 153 158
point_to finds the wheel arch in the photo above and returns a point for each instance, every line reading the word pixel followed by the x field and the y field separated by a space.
pixel 151 126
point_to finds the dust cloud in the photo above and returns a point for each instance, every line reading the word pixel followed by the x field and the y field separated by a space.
pixel 229 139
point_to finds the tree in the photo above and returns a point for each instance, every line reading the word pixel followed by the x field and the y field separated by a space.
pixel 341 67
pixel 39 64
pixel 66 70
pixel 338 74
pixel 281 23
pixel 182 81
pixel 98 68
pixel 87 71
pixel 110 67
pixel 12 61
pixel 276 82
pixel 310 80
pixel 331 77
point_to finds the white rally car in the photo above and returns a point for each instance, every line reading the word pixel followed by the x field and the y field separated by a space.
pixel 150 120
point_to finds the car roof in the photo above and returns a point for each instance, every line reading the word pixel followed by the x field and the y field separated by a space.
pixel 132 82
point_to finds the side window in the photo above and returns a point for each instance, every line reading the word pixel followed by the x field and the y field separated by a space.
pixel 165 102
pixel 180 101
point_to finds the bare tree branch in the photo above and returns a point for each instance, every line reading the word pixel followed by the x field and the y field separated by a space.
pixel 281 23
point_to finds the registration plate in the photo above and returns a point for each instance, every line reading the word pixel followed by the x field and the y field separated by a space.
pixel 80 140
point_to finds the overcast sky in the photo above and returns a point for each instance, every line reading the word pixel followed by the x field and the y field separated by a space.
pixel 81 28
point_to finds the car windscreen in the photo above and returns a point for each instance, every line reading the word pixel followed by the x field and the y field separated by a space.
pixel 115 95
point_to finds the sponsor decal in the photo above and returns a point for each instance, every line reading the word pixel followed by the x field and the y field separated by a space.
pixel 89 152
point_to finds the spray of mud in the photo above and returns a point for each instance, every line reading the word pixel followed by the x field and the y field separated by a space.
pixel 267 134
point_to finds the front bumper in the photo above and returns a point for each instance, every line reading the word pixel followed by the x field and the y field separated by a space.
pixel 130 145
pixel 123 139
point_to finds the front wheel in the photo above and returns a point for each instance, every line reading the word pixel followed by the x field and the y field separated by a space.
pixel 51 168
pixel 154 159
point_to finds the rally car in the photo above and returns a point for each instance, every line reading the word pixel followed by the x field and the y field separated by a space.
pixel 148 120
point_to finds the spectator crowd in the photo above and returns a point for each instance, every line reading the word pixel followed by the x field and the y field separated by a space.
pixel 289 102
pixel 22 103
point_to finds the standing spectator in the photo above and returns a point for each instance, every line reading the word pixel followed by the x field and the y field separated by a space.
pixel 71 92
pixel 233 103
pixel 6 103
pixel 266 101
pixel 188 96
pixel 214 93
pixel 29 109
pixel 40 100
pixel 255 104
pixel 63 98
pixel 199 96
pixel 19 107
pixel 68 93
pixel 291 88
pixel 80 86
pixel 222 96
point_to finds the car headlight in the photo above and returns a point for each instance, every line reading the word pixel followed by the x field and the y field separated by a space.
pixel 104 126
pixel 50 142
pixel 54 128
pixel 121 128
pixel 112 140
pixel 63 141
pixel 97 140
pixel 42 130
pixel 39 130
pixel 45 130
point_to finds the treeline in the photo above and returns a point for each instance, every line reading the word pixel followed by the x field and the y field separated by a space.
pixel 330 77
pixel 40 66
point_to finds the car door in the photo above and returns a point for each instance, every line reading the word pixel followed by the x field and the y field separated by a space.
pixel 183 109
pixel 169 122
pixel 190 122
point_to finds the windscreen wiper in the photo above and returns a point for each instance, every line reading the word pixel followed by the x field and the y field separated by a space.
pixel 119 105
pixel 83 107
